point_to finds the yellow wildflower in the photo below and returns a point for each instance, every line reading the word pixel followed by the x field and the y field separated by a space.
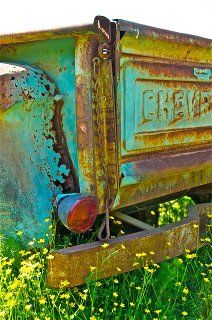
pixel 152 252
pixel 72 304
pixel 64 283
pixel 139 255
pixel 178 284
pixel 28 307
pixel 83 296
pixel 118 269
pixel 45 251
pixel 115 281
pixel 22 252
pixel 41 241
pixel 191 256
pixel 93 318
pixel 158 311
pixel 115 304
pixel 42 300
pixel 147 310
pixel 138 288
pixel 117 222
pixel 150 270
pixel 132 304
pixel 184 313
pixel 11 303
pixel 81 307
pixel 115 294
pixel 206 280
pixel 101 310
pixel 50 257
pixel 92 268
pixel 65 296
pixel 8 271
pixel 180 260
pixel 122 305
pixel 98 284
pixel 135 264
pixel 185 290
pixel 19 233
pixel 105 245
pixel 195 226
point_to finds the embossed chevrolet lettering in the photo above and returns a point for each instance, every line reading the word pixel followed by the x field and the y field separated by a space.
pixel 174 105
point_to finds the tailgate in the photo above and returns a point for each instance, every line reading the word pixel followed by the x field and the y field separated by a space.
pixel 164 101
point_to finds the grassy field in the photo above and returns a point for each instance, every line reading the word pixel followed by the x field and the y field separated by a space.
pixel 174 290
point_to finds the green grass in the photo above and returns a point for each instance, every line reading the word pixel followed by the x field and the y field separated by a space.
pixel 175 289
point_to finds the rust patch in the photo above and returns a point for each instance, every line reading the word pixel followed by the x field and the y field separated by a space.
pixel 73 264
pixel 70 183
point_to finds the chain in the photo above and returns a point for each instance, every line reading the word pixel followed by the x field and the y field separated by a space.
pixel 100 141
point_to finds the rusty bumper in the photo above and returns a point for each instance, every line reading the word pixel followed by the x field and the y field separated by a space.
pixel 96 260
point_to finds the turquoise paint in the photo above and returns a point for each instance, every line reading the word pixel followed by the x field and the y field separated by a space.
pixel 202 74
pixel 28 170
pixel 154 103
pixel 56 57
pixel 28 163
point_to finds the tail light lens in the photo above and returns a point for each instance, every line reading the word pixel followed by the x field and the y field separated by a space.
pixel 77 212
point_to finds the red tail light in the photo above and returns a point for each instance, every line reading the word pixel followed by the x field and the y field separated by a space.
pixel 77 212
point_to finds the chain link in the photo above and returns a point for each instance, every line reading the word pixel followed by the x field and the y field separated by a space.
pixel 100 140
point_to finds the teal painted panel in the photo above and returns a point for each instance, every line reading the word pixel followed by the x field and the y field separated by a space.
pixel 56 57
pixel 31 173
pixel 163 105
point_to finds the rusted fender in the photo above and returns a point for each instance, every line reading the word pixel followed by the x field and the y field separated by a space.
pixel 34 160
pixel 19 82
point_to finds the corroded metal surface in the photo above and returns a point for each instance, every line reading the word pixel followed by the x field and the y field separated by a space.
pixel 164 113
pixel 38 134
pixel 73 31
pixel 74 264
pixel 142 30
pixel 96 121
